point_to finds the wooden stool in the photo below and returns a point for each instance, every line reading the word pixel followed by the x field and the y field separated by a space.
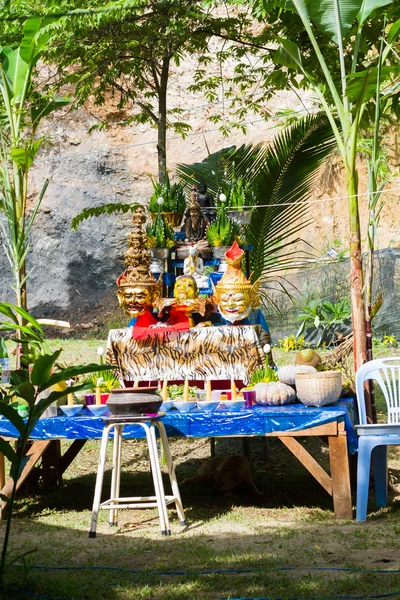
pixel 160 500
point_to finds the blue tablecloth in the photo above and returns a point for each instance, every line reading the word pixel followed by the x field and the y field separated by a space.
pixel 254 421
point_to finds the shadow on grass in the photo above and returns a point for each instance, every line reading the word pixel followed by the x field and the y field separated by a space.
pixel 283 481
pixel 129 566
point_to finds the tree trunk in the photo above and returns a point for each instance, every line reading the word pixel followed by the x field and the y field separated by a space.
pixel 356 277
pixel 162 121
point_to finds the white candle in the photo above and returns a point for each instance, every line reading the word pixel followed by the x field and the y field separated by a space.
pixel 136 383
pixel 70 400
pixel 98 396
pixel 208 390
pixel 164 391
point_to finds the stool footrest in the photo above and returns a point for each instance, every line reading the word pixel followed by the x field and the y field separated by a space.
pixel 139 502
pixel 135 499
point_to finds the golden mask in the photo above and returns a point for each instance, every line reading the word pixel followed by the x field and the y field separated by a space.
pixel 234 295
pixel 138 289
pixel 136 300
pixel 185 288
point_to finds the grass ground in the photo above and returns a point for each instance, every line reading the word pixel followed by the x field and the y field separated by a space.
pixel 275 546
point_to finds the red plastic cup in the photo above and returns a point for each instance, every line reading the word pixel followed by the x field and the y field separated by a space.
pixel 249 398
pixel 104 398
pixel 228 394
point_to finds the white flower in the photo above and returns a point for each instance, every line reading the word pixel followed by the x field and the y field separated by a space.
pixel 213 173
pixel 160 200
pixel 267 349
pixel 99 382
pixel 100 351
pixel 222 197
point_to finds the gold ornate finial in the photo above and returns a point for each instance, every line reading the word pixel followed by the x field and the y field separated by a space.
pixel 138 288
pixel 234 294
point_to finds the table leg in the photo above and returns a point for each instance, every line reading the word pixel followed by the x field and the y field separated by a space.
pixel 340 474
pixel 2 471
pixel 34 453
pixel 52 475
pixel 212 447
pixel 2 478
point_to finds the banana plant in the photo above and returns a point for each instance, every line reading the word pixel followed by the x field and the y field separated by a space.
pixel 39 372
pixel 23 108
pixel 344 100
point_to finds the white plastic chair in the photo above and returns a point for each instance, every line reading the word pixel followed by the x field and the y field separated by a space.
pixel 374 439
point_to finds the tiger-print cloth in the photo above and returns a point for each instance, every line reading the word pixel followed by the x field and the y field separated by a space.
pixel 225 352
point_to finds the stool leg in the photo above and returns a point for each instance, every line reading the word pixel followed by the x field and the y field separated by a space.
pixel 157 479
pixel 172 476
pixel 119 457
pixel 99 482
pixel 115 476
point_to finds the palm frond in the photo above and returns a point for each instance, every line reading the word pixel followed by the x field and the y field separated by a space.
pixel 103 209
pixel 283 175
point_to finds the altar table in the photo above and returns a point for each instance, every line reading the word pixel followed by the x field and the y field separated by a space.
pixel 285 422
pixel 219 352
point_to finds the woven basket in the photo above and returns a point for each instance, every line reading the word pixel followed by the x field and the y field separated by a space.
pixel 319 389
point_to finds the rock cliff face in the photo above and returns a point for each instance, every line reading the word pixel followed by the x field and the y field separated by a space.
pixel 73 273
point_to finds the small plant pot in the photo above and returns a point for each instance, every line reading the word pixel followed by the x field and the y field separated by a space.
pixel 159 253
pixel 241 217
pixel 172 218
pixel 219 253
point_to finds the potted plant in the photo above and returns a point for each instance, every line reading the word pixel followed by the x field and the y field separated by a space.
pixel 221 234
pixel 160 236
pixel 238 196
pixel 174 201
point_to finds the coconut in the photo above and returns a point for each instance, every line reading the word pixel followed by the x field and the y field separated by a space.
pixel 309 357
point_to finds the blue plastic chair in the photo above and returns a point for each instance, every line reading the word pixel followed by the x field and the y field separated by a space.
pixel 374 439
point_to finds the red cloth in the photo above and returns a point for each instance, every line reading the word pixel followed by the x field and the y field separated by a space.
pixel 142 328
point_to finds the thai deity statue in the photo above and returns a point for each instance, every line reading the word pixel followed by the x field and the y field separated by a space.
pixel 206 202
pixel 236 296
pixel 138 289
pixel 194 227
pixel 185 302
pixel 194 265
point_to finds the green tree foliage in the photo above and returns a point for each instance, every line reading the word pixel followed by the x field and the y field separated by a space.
pixel 129 53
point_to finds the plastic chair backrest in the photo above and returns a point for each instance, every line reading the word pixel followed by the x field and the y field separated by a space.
pixel 386 372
